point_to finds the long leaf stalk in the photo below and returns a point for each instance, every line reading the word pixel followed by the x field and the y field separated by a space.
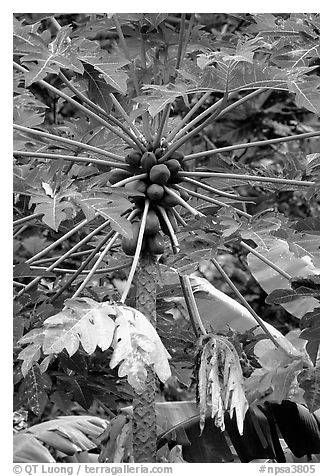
pixel 127 119
pixel 230 196
pixel 187 117
pixel 103 114
pixel 161 126
pixel 54 258
pixel 191 305
pixel 67 254
pixel 252 178
pixel 96 265
pixel 173 236
pixel 266 260
pixel 218 109
pixel 137 252
pixel 246 304
pixel 123 182
pixel 180 41
pixel 91 256
pixel 81 107
pixel 18 285
pixel 58 242
pixel 186 40
pixel 123 43
pixel 143 51
pixel 213 200
pixel 182 202
pixel 20 230
pixel 83 265
pixel 179 218
pixel 20 221
pixel 72 158
pixel 179 142
pixel 72 271
pixel 247 145
pixel 71 142
pixel 166 112
pixel 210 111
pixel 73 255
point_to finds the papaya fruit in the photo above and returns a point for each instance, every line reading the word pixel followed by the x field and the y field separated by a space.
pixel 170 200
pixel 159 152
pixel 148 160
pixel 155 192
pixel 136 186
pixel 116 175
pixel 159 174
pixel 174 166
pixel 128 245
pixel 152 223
pixel 178 156
pixel 155 244
pixel 149 147
pixel 133 158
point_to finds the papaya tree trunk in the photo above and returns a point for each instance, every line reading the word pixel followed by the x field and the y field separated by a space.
pixel 144 415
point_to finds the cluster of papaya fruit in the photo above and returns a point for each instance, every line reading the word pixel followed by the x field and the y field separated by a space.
pixel 161 173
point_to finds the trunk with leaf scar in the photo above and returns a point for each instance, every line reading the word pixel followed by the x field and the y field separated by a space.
pixel 144 416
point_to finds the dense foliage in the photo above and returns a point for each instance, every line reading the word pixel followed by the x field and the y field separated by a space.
pixel 183 148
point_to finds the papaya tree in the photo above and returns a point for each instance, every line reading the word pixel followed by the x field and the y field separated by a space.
pixel 145 147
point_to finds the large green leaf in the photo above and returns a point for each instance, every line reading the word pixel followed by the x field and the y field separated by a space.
pixel 111 206
pixel 33 390
pixel 44 56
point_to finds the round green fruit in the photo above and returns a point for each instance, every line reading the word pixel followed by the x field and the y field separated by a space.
pixel 133 158
pixel 177 155
pixel 170 200
pixel 159 174
pixel 129 244
pixel 148 160
pixel 159 152
pixel 116 175
pixel 174 166
pixel 136 186
pixel 152 223
pixel 155 192
pixel 155 244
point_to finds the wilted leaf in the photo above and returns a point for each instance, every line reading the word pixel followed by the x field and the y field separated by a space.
pixel 220 382
pixel 137 345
